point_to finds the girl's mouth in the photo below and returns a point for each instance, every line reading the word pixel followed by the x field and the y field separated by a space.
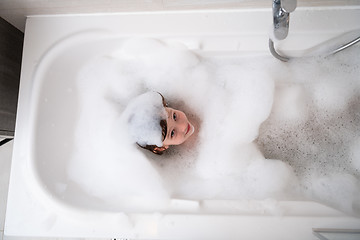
pixel 188 129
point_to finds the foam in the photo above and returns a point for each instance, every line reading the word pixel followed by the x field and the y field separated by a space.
pixel 355 154
pixel 227 99
pixel 142 118
pixel 338 190
pixel 319 139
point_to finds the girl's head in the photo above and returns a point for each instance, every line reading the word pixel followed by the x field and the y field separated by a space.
pixel 153 125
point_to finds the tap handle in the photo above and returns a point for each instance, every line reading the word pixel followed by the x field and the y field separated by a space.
pixel 289 5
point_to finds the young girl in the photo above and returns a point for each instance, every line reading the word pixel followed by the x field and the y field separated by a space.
pixel 153 125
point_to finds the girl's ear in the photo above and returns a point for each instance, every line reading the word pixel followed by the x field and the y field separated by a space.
pixel 160 150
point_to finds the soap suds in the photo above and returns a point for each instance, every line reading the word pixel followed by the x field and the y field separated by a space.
pixel 227 98
pixel 320 143
pixel 142 117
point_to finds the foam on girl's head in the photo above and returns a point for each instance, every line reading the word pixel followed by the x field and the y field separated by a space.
pixel 142 117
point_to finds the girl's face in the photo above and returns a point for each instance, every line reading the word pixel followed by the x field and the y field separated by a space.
pixel 178 127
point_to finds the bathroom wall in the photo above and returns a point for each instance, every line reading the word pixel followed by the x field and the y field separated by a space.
pixel 15 11
pixel 11 45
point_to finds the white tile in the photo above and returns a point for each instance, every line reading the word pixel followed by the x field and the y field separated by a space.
pixel 5 162
pixel 50 238
pixel 26 238
pixel 40 238
pixel 15 11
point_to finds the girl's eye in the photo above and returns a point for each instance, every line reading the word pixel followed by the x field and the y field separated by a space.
pixel 174 116
pixel 172 133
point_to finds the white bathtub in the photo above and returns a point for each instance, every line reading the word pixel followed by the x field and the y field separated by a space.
pixel 43 141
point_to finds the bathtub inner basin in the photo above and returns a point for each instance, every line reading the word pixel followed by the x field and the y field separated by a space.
pixel 88 163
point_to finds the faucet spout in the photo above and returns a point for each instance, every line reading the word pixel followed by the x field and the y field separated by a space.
pixel 281 17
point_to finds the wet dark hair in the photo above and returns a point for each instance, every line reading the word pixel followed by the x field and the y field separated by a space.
pixel 163 123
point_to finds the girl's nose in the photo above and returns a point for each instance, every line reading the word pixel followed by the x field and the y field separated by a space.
pixel 184 126
pixel 183 123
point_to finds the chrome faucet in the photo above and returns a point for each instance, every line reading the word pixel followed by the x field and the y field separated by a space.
pixel 281 16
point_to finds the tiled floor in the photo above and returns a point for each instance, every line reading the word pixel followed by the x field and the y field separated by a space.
pixel 5 162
